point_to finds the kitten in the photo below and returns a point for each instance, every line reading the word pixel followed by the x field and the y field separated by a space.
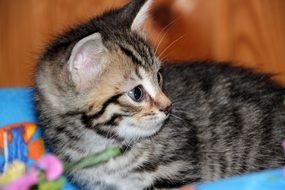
pixel 100 85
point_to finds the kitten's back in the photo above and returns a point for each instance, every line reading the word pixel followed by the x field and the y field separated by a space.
pixel 236 116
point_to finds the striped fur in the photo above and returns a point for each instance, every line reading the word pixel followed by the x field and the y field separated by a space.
pixel 225 120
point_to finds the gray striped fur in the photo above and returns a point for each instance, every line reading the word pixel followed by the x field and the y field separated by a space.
pixel 225 120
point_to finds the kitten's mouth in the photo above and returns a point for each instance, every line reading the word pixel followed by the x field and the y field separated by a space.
pixel 154 122
pixel 135 130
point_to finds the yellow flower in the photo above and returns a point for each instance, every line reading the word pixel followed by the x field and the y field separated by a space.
pixel 13 171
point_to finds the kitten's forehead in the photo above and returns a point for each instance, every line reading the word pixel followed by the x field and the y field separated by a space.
pixel 138 50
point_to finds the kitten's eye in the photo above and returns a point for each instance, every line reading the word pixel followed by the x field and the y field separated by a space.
pixel 136 93
pixel 159 78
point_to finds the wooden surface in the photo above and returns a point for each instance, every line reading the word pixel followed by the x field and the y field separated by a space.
pixel 250 33
pixel 27 25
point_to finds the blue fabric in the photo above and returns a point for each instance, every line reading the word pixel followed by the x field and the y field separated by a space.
pixel 16 106
pixel 267 180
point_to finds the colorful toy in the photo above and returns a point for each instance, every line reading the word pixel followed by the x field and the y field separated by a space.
pixel 20 142
pixel 20 139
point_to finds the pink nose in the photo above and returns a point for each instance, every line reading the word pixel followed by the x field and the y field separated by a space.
pixel 166 109
pixel 162 103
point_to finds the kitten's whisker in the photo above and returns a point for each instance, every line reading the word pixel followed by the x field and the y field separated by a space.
pixel 177 102
pixel 180 111
pixel 177 117
pixel 128 144
pixel 176 96
pixel 114 134
pixel 108 133
pixel 165 58
pixel 175 124
pixel 165 30
pixel 178 108
pixel 182 119
pixel 170 45
pixel 180 99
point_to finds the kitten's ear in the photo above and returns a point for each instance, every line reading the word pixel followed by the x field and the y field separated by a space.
pixel 138 13
pixel 86 60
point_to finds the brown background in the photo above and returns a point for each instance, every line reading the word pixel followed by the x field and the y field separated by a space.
pixel 248 32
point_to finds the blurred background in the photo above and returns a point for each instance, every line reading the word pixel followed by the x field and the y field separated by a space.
pixel 248 32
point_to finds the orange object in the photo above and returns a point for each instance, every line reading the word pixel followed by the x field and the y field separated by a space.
pixel 36 149
pixel 29 131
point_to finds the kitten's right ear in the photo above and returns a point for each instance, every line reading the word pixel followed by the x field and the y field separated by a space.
pixel 86 60
pixel 136 13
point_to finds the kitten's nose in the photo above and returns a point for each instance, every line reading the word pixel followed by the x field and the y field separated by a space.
pixel 166 109
pixel 163 103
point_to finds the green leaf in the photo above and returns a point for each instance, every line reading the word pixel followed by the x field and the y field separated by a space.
pixel 51 185
pixel 93 160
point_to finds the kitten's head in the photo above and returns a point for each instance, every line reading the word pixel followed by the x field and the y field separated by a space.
pixel 106 71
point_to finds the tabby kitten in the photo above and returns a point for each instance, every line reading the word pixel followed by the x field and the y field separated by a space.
pixel 99 86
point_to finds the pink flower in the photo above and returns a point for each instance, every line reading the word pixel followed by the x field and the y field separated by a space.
pixel 52 169
pixel 25 182
pixel 51 165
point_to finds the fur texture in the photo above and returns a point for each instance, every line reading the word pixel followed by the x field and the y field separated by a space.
pixel 225 120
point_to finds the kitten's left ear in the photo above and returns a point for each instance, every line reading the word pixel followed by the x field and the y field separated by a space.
pixel 86 61
pixel 137 11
